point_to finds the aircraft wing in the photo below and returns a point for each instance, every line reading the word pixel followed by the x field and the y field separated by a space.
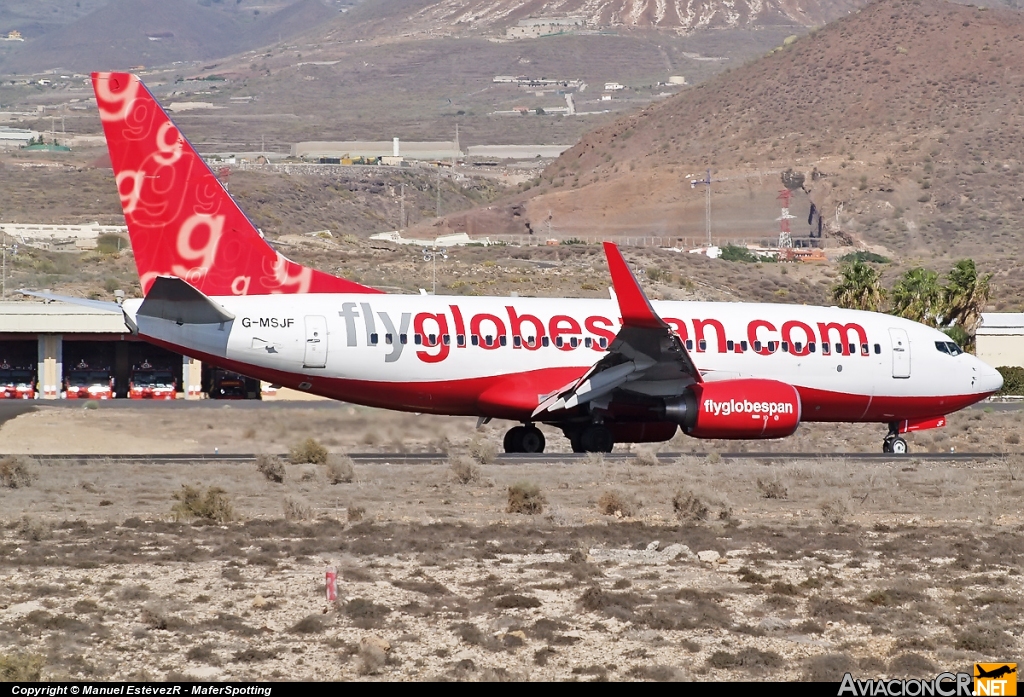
pixel 645 355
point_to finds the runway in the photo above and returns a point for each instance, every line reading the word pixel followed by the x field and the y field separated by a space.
pixel 397 458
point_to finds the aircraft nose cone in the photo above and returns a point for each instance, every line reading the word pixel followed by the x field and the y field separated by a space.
pixel 989 379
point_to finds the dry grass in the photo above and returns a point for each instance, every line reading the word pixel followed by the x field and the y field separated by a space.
pixel 15 472
pixel 646 457
pixel 525 497
pixel 297 509
pixel 698 505
pixel 271 467
pixel 340 469
pixel 194 503
pixel 21 667
pixel 309 450
pixel 772 488
pixel 463 469
pixel 613 503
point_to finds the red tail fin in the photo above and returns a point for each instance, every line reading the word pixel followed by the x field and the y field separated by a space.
pixel 181 220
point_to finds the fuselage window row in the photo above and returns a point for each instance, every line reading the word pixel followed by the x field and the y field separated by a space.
pixel 518 341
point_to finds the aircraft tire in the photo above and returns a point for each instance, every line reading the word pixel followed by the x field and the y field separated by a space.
pixel 898 446
pixel 513 441
pixel 597 439
pixel 531 440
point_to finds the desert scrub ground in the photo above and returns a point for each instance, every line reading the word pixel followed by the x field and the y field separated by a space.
pixel 653 568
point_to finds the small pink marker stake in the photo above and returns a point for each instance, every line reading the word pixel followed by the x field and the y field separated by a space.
pixel 332 584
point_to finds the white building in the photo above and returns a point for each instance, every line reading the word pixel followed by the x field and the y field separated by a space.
pixel 999 340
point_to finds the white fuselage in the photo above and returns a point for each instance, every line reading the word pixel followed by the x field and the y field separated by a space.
pixel 439 354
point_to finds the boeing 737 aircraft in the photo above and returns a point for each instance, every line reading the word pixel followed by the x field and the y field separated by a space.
pixel 623 370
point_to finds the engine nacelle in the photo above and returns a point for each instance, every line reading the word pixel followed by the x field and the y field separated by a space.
pixel 737 409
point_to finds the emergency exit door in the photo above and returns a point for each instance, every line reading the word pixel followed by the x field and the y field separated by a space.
pixel 316 342
pixel 900 353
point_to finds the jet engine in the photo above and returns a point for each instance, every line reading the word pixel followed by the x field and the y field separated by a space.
pixel 736 409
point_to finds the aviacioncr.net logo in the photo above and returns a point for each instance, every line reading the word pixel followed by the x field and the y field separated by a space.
pixel 745 406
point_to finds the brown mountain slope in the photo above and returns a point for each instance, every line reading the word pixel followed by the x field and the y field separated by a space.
pixel 906 118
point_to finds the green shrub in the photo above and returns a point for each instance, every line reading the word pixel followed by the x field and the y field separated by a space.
pixel 863 256
pixel 1013 381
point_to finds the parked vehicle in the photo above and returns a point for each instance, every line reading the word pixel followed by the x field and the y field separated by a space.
pixel 85 382
pixel 17 383
pixel 148 382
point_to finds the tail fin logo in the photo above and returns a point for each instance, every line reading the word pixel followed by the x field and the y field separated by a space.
pixel 181 220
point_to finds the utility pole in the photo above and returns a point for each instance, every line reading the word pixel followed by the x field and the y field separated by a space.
pixel 401 215
pixel 437 213
pixel 706 181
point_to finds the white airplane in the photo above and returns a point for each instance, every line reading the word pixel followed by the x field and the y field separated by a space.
pixel 602 371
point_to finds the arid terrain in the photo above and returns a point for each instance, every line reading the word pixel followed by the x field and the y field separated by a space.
pixel 646 568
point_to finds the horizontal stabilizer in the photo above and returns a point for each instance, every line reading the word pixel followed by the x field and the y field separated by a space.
pixel 103 305
pixel 173 299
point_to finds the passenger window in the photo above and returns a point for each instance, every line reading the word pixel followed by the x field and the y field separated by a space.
pixel 503 340
pixel 689 344
pixel 785 347
pixel 488 340
pixel 517 342
pixel 757 346
pixel 474 339
pixel 743 346
pixel 702 345
pixel 771 347
pixel 588 342
pixel 853 349
pixel 730 345
pixel 811 347
pixel 797 346
pixel 826 349
pixel 559 342
pixel 388 339
pixel 603 342
pixel 460 339
pixel 839 349
pixel 433 339
pixel 417 339
pixel 373 339
pixel 864 350
pixel 545 342
pixel 403 338
pixel 574 342
pixel 878 348
pixel 446 339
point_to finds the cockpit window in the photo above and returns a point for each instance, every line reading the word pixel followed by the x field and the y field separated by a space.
pixel 949 347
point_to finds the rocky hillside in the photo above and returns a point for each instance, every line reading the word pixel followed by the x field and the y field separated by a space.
pixel 897 143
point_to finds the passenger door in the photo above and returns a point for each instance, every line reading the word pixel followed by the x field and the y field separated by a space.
pixel 316 342
pixel 900 353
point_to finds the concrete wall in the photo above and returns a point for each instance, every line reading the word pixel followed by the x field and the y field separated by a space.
pixel 1002 349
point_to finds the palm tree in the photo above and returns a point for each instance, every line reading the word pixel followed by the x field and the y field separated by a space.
pixel 859 288
pixel 918 296
pixel 964 296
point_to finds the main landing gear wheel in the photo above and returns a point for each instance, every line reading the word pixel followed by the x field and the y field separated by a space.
pixel 894 445
pixel 524 439
pixel 593 439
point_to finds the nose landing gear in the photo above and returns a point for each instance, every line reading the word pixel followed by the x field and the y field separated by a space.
pixel 524 439
pixel 893 443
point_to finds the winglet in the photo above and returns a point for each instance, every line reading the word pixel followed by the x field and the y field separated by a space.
pixel 633 303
